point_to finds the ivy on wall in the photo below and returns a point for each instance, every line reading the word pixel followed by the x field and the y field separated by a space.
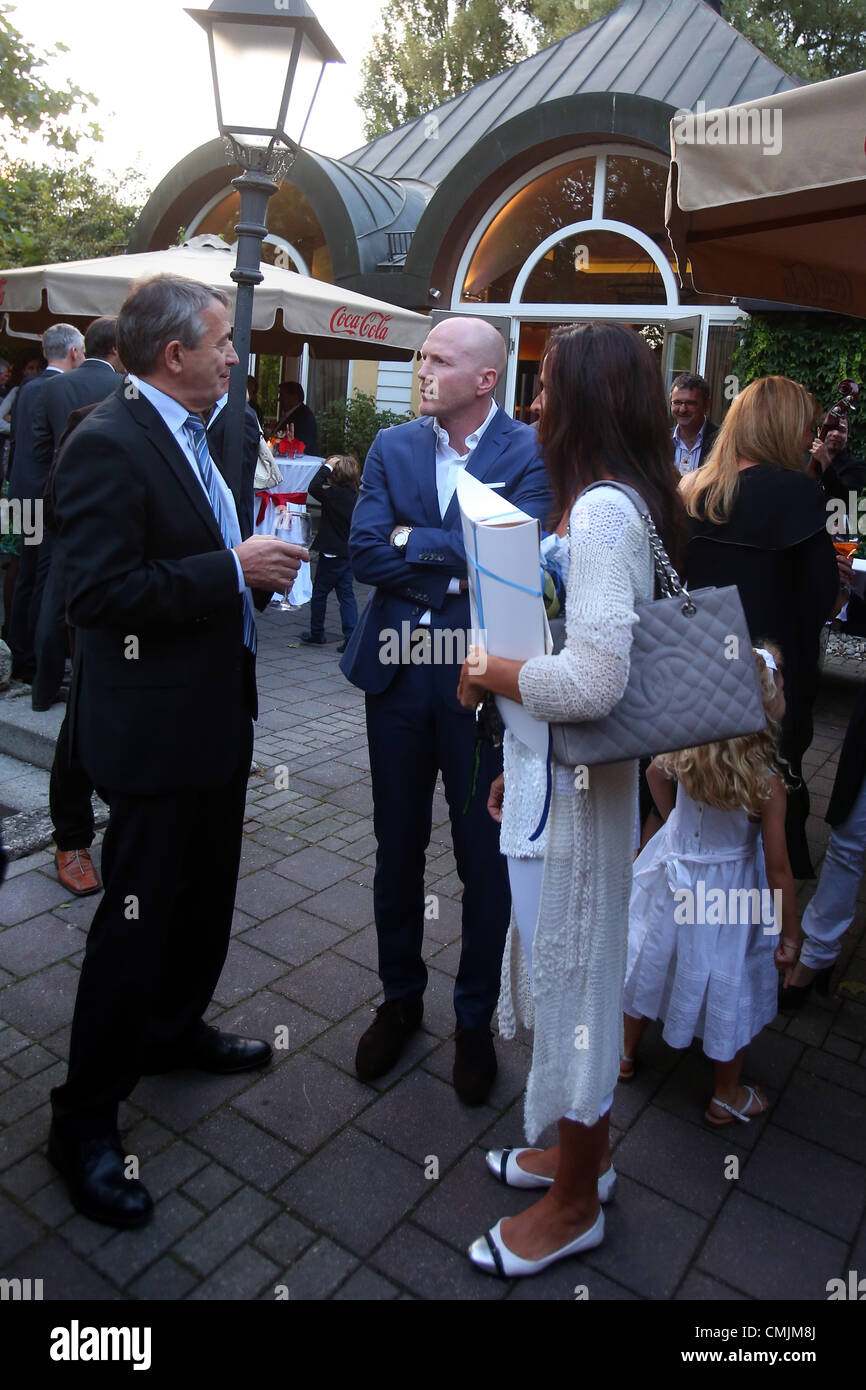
pixel 818 350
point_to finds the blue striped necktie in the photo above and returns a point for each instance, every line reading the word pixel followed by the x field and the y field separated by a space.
pixel 194 427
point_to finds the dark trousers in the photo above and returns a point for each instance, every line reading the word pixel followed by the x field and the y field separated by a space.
pixel 70 793
pixel 415 728
pixel 22 632
pixel 333 574
pixel 157 943
pixel 51 644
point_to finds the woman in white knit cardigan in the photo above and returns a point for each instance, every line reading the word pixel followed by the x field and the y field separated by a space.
pixel 603 415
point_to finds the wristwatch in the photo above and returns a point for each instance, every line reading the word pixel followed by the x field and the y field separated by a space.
pixel 401 540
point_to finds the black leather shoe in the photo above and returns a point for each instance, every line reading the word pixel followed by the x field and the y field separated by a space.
pixel 222 1053
pixel 313 639
pixel 474 1064
pixel 98 1187
pixel 382 1045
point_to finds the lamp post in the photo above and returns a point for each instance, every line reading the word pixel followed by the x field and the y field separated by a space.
pixel 267 60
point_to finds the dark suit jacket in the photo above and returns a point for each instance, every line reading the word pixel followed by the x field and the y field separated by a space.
pixel 303 422
pixel 163 688
pixel 399 485
pixel 710 432
pixel 91 382
pixel 338 503
pixel 215 436
pixel 23 479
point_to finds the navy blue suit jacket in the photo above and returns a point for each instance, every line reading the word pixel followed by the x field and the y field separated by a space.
pixel 399 486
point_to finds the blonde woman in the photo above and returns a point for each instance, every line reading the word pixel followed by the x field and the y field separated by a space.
pixel 713 906
pixel 759 521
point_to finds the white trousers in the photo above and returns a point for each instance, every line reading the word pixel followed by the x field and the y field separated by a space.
pixel 831 911
pixel 525 876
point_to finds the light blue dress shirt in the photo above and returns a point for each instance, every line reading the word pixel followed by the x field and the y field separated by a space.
pixel 174 416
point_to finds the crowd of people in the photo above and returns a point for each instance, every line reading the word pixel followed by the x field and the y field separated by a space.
pixel 573 918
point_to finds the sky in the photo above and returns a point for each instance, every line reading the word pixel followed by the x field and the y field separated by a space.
pixel 147 63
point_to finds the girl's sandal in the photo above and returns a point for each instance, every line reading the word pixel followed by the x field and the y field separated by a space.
pixel 744 1115
pixel 626 1069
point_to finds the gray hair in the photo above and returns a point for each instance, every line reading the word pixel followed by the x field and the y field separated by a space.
pixel 159 311
pixel 59 340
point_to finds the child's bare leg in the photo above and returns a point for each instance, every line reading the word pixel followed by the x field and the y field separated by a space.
pixel 728 1089
pixel 634 1030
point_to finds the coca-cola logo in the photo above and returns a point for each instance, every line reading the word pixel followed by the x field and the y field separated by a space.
pixel 373 325
pixel 824 286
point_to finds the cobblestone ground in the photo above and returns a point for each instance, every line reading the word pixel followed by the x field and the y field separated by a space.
pixel 303 1179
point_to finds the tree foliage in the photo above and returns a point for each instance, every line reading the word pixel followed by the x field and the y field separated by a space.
pixel 65 212
pixel 431 50
pixel 28 104
pixel 812 39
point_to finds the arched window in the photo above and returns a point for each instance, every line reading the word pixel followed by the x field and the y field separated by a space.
pixel 528 250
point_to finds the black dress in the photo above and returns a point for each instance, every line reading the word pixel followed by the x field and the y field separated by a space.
pixel 777 550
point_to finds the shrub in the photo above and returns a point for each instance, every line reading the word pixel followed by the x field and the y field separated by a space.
pixel 349 427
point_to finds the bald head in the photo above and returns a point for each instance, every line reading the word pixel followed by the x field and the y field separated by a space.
pixel 474 341
pixel 461 362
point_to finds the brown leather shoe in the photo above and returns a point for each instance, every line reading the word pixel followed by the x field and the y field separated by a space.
pixel 76 872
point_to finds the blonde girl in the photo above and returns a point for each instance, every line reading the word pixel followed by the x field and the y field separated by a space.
pixel 713 907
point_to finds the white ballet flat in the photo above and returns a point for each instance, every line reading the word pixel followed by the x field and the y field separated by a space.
pixel 491 1254
pixel 504 1166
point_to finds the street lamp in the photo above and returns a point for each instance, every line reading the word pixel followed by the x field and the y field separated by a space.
pixel 267 60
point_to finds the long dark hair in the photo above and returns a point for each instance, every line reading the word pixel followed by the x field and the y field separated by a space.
pixel 606 414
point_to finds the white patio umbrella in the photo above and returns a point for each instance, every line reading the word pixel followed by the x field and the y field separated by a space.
pixel 768 200
pixel 289 310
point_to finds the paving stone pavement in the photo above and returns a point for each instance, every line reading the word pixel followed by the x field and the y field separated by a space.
pixel 302 1182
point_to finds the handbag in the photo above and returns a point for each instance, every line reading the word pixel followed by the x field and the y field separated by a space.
pixel 692 676
pixel 268 473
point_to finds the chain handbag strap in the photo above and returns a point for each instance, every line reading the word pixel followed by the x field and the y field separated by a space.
pixel 667 576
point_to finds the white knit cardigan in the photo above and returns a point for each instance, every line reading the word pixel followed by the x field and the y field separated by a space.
pixel 579 950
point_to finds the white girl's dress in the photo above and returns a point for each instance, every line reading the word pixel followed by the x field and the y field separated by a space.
pixel 711 977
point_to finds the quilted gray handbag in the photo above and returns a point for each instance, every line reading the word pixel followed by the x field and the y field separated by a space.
pixel 692 676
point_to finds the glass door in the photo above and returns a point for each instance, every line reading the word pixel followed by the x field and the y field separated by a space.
pixel 680 349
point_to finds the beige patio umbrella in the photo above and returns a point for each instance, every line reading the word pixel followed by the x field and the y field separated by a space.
pixel 768 200
pixel 289 309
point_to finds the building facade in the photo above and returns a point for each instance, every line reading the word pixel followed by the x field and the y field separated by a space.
pixel 535 199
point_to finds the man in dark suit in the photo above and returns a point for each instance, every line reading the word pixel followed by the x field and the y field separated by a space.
pixel 158 587
pixel 294 412
pixel 406 539
pixel 694 431
pixel 63 348
pixel 95 379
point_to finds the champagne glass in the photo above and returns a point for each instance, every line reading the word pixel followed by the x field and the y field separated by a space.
pixel 297 529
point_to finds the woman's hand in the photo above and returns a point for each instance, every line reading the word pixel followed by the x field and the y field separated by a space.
pixel 471 689
pixel 496 797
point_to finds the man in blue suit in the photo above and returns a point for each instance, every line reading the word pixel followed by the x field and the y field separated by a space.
pixel 406 539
